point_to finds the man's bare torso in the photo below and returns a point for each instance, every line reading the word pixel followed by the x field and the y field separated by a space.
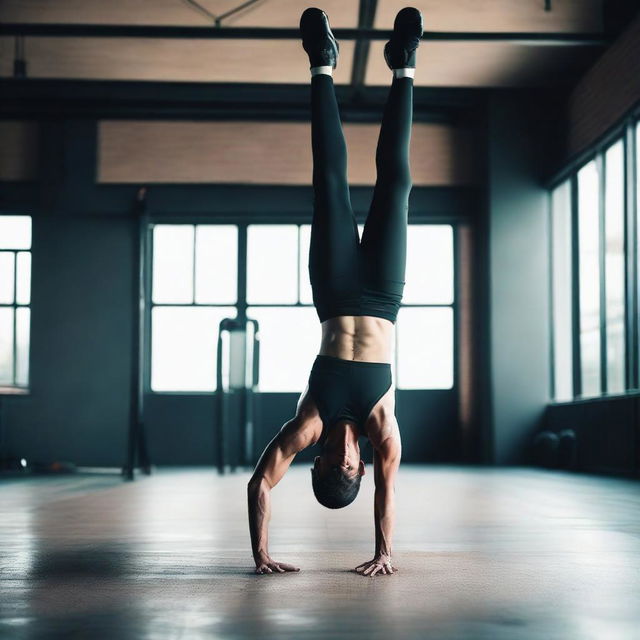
pixel 364 338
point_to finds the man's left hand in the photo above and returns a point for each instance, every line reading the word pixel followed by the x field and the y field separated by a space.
pixel 381 564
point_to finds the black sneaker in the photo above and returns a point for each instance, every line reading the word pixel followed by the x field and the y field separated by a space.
pixel 317 39
pixel 400 51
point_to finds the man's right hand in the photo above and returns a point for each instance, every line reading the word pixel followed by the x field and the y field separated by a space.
pixel 267 565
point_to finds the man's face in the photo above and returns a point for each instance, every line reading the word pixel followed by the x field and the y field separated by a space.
pixel 348 462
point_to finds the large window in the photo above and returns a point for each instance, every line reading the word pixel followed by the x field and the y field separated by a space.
pixel 562 328
pixel 589 279
pixel 193 288
pixel 15 299
pixel 594 263
pixel 614 254
pixel 195 285
pixel 279 298
pixel 425 322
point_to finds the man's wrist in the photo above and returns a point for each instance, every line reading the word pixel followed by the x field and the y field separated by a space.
pixel 260 556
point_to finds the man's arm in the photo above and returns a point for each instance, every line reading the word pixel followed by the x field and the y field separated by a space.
pixel 386 460
pixel 274 462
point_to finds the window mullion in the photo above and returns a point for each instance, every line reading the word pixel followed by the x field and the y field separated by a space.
pixel 575 288
pixel 601 169
pixel 298 261
pixel 551 293
pixel 455 318
pixel 631 258
pixel 242 272
pixel 15 323
pixel 147 248
pixel 193 266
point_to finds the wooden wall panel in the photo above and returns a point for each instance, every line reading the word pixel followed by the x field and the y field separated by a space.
pixel 573 16
pixel 262 61
pixel 266 153
pixel 18 150
pixel 606 92
pixel 462 15
pixel 6 56
pixel 486 64
pixel 283 13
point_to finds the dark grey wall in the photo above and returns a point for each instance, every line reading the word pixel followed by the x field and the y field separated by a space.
pixel 80 343
pixel 518 288
pixel 182 428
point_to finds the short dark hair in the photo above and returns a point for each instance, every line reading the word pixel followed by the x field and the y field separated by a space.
pixel 334 489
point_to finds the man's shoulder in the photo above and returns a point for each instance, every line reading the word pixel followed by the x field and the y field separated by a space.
pixel 384 436
pixel 300 432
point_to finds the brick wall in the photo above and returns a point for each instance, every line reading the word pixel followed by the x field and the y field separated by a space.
pixel 606 92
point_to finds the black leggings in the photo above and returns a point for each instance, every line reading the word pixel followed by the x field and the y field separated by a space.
pixel 349 276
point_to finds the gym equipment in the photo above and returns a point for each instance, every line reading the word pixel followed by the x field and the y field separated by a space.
pixel 545 449
pixel 567 450
pixel 238 360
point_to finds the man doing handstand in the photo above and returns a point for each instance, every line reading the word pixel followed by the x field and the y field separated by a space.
pixel 357 288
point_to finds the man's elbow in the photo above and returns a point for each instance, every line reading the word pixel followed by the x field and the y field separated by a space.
pixel 256 485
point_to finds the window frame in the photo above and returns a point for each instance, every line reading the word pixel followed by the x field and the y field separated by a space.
pixel 13 388
pixel 149 304
pixel 628 133
pixel 242 305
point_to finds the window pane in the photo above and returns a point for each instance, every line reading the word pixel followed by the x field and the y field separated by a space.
pixel 7 276
pixel 184 347
pixel 289 342
pixel 305 286
pixel 172 263
pixel 562 313
pixel 425 348
pixel 15 232
pixel 429 275
pixel 216 264
pixel 272 256
pixel 23 293
pixel 588 237
pixel 6 346
pixel 615 267
pixel 22 346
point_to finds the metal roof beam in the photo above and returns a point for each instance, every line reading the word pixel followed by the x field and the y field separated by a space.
pixel 267 33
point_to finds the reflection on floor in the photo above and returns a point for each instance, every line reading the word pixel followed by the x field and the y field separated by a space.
pixel 482 553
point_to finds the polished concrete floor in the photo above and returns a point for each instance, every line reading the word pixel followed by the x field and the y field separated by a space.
pixel 505 553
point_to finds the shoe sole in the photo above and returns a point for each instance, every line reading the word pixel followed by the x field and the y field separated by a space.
pixel 408 16
pixel 406 20
pixel 317 27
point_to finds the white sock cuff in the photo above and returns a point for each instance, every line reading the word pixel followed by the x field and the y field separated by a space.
pixel 316 70
pixel 405 72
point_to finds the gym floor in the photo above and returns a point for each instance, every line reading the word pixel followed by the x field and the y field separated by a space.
pixel 513 553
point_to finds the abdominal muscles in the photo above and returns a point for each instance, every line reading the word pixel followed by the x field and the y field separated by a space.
pixel 365 338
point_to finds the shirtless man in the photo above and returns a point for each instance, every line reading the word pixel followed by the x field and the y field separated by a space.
pixel 357 289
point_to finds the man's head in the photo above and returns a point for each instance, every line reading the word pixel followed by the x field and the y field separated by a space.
pixel 336 473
